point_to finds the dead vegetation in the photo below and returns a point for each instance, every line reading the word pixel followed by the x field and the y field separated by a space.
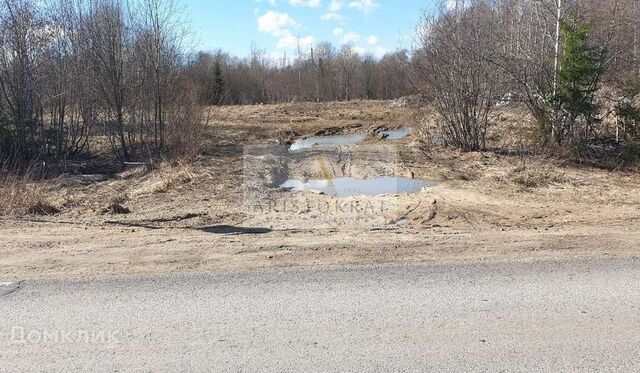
pixel 536 174
pixel 21 194
pixel 168 176
pixel 305 115
pixel 116 209
pixel 116 205
pixel 24 198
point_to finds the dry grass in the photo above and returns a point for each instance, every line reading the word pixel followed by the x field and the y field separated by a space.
pixel 535 177
pixel 310 113
pixel 168 177
pixel 116 205
pixel 119 199
pixel 41 207
pixel 21 195
pixel 535 172
pixel 116 209
pixel 510 172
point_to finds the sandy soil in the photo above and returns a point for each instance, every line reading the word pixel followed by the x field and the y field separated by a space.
pixel 222 211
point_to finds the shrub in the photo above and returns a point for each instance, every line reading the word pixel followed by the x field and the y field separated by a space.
pixel 629 153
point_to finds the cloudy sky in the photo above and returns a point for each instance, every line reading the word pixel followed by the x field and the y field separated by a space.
pixel 373 26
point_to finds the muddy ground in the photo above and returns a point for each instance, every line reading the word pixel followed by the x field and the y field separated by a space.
pixel 224 211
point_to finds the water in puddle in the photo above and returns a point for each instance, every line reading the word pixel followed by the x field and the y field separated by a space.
pixel 327 140
pixel 346 139
pixel 348 187
pixel 398 134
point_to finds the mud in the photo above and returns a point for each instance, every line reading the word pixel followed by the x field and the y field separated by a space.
pixel 350 139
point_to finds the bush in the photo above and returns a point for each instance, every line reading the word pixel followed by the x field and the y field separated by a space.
pixel 452 63
pixel 22 195
pixel 628 108
pixel 630 153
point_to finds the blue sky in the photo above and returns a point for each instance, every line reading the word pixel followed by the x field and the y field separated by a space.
pixel 276 26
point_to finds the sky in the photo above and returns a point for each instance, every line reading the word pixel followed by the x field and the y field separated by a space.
pixel 279 26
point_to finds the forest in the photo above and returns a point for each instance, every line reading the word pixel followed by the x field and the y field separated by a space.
pixel 323 73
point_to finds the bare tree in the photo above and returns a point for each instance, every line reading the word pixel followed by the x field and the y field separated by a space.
pixel 80 63
pixel 21 36
pixel 348 62
pixel 453 63
pixel 161 38
pixel 107 43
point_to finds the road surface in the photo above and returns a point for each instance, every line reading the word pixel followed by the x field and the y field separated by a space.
pixel 567 316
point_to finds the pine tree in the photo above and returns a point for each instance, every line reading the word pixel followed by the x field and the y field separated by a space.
pixel 218 91
pixel 578 80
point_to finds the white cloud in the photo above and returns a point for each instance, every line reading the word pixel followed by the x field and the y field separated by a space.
pixel 292 42
pixel 276 24
pixel 280 25
pixel 306 3
pixel 335 6
pixel 349 38
pixel 366 6
pixel 332 17
pixel 372 40
pixel 359 50
pixel 345 38
pixel 379 52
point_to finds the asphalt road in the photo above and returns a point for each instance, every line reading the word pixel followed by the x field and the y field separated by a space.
pixel 569 316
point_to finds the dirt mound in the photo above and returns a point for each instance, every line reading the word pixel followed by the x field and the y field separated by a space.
pixel 333 131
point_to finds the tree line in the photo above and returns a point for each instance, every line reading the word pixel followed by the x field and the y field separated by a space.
pixel 575 64
pixel 324 72
pixel 107 73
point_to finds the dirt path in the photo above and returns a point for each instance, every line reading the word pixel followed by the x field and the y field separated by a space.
pixel 61 250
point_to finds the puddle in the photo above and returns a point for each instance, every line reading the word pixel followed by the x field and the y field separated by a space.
pixel 347 139
pixel 397 134
pixel 349 187
pixel 327 140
